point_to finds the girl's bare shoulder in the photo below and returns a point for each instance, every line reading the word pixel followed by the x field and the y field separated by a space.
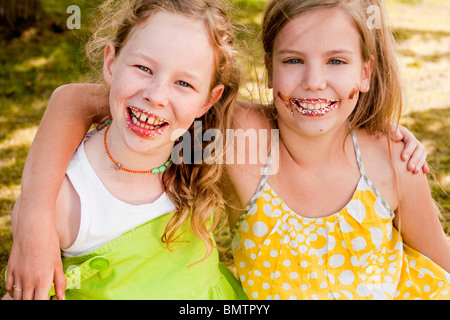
pixel 249 115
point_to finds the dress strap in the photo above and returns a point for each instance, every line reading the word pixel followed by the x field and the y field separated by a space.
pixel 366 179
pixel 256 195
pixel 358 154
pixel 260 187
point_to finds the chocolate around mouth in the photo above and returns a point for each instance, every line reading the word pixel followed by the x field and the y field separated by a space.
pixel 314 107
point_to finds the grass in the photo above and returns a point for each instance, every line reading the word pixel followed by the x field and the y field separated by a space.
pixel 50 55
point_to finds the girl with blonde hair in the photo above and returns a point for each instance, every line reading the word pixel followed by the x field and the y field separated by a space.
pixel 131 224
pixel 342 218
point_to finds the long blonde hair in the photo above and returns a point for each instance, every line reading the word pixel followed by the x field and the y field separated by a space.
pixel 193 188
pixel 382 104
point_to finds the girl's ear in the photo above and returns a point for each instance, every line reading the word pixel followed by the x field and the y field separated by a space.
pixel 215 95
pixel 268 64
pixel 108 61
pixel 366 73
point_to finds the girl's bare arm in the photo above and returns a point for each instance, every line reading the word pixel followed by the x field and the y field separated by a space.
pixel 418 218
pixel 35 260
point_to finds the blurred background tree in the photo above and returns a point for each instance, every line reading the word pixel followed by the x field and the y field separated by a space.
pixel 18 15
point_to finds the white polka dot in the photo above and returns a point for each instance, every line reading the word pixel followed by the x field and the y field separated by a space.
pixel 257 273
pixel 293 275
pixel 286 286
pixel 313 237
pixel 266 264
pixel 304 264
pixel 244 226
pixel 242 264
pixel 276 213
pixel 274 253
pixel 354 261
pixel 363 290
pixel 427 271
pixel 323 285
pixel 276 201
pixel 300 238
pixel 255 295
pixel 266 285
pixel 249 244
pixel 377 236
pixel 348 294
pixel 345 226
pixel 293 244
pixel 359 243
pixel 357 210
pixel 426 288
pixel 314 275
pixel 336 260
pixel 381 211
pixel 303 287
pixel 260 229
pixel 292 297
pixel 267 209
pixel 346 277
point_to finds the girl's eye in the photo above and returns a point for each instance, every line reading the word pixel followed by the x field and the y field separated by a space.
pixel 184 84
pixel 293 61
pixel 145 69
pixel 336 61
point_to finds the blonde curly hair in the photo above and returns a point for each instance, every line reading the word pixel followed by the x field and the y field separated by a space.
pixel 194 188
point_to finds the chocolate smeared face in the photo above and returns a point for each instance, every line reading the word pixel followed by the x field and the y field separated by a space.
pixel 316 107
pixel 317 72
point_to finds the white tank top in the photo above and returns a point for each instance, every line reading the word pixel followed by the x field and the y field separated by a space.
pixel 104 217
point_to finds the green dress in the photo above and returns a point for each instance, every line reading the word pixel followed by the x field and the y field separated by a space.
pixel 138 265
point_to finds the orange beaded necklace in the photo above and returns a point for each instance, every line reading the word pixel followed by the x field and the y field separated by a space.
pixel 118 165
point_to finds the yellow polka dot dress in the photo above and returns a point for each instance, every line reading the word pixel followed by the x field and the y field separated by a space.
pixel 356 253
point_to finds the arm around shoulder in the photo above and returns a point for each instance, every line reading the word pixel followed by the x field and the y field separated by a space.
pixel 418 217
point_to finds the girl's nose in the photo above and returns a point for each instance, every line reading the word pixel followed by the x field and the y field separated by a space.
pixel 314 78
pixel 156 93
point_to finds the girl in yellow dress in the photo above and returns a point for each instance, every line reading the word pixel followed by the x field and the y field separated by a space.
pixel 341 218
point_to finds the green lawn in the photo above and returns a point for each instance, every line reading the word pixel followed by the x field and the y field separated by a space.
pixel 50 55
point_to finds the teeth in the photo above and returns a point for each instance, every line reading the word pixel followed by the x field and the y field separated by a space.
pixel 314 107
pixel 145 120
pixel 313 104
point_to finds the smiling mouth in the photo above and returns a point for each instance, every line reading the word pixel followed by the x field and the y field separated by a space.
pixel 314 107
pixel 145 122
